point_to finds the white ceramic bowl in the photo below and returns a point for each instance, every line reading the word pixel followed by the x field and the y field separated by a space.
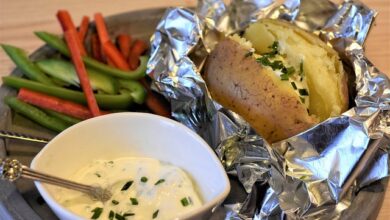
pixel 133 134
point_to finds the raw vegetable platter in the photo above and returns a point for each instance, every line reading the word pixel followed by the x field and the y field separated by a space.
pixel 22 201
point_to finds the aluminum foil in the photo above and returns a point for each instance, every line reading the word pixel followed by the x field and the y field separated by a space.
pixel 306 172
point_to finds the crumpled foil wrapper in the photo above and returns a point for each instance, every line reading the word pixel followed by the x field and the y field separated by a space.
pixel 306 173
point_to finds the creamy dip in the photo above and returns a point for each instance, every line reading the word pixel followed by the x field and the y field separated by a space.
pixel 142 188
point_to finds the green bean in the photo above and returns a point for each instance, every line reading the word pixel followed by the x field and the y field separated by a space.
pixel 120 101
pixel 136 90
pixel 65 118
pixel 57 43
pixel 35 114
pixel 19 57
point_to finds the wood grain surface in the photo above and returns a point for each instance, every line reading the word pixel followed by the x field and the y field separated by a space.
pixel 20 18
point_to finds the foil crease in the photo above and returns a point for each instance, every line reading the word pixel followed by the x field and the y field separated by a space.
pixel 306 172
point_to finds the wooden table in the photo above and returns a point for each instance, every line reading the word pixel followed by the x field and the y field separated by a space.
pixel 20 18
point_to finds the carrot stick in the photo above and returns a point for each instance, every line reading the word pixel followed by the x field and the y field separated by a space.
pixel 67 24
pixel 101 28
pixel 124 43
pixel 115 56
pixel 53 103
pixel 157 104
pixel 139 47
pixel 83 29
pixel 71 40
pixel 96 48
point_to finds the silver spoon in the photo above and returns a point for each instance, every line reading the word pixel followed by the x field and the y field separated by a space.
pixel 11 170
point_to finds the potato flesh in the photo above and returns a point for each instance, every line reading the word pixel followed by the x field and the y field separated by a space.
pixel 321 65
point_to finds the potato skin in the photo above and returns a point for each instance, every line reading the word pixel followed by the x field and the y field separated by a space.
pixel 240 84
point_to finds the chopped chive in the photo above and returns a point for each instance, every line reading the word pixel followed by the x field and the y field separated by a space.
pixel 303 92
pixel 114 202
pixel 155 214
pixel 127 185
pixel 98 175
pixel 134 201
pixel 293 85
pixel 144 179
pixel 111 215
pixel 250 53
pixel 96 212
pixel 302 99
pixel 128 214
pixel 159 181
pixel 184 201
pixel 284 77
pixel 119 217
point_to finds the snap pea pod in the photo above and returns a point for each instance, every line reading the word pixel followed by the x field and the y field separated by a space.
pixel 35 114
pixel 120 101
pixel 135 88
pixel 65 118
pixel 19 57
pixel 57 43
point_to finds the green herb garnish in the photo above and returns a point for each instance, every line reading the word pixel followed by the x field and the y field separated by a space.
pixel 134 201
pixel 127 185
pixel 111 215
pixel 159 181
pixel 250 53
pixel 119 217
pixel 184 201
pixel 155 214
pixel 301 73
pixel 96 212
pixel 293 85
pixel 274 47
pixel 144 179
pixel 114 202
pixel 98 175
pixel 302 99
pixel 128 214
pixel 303 92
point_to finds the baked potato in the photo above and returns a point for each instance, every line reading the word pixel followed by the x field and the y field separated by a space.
pixel 278 77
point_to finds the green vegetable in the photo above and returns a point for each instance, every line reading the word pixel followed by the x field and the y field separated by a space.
pixel 65 71
pixel 119 217
pixel 128 214
pixel 19 57
pixel 137 91
pixel 127 185
pixel 301 73
pixel 303 92
pixel 65 118
pixel 35 114
pixel 60 45
pixel 293 85
pixel 121 101
pixel 159 181
pixel 155 214
pixel 111 215
pixel 144 179
pixel 134 201
pixel 114 202
pixel 184 201
pixel 96 212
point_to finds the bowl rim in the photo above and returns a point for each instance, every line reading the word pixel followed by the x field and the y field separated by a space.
pixel 206 206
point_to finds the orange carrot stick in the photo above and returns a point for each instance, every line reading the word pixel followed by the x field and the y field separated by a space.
pixel 96 48
pixel 71 40
pixel 53 103
pixel 139 47
pixel 101 28
pixel 124 43
pixel 115 56
pixel 83 29
pixel 67 24
pixel 155 102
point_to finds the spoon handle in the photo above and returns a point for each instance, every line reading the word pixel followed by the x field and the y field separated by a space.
pixel 19 136
pixel 11 169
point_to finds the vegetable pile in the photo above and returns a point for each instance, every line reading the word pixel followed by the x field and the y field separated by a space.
pixel 87 78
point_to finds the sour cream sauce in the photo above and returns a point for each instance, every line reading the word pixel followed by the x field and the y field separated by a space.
pixel 142 188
